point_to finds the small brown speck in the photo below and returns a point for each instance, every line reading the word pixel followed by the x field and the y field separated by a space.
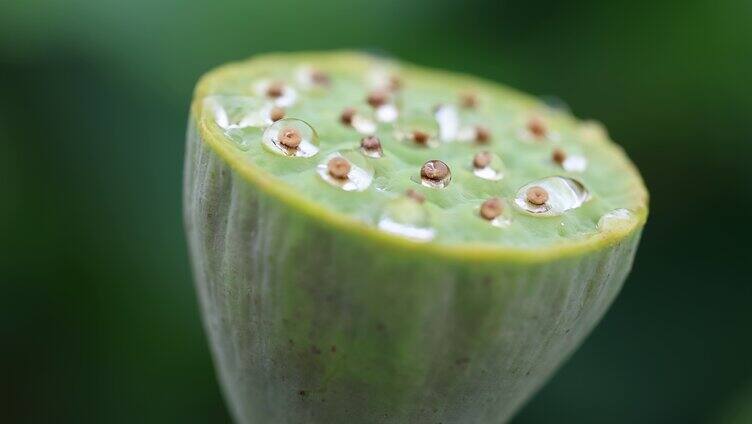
pixel 276 113
pixel 491 208
pixel 377 98
pixel 338 167
pixel 320 77
pixel 371 143
pixel 468 100
pixel 482 160
pixel 289 137
pixel 537 195
pixel 435 170
pixel 315 350
pixel 334 349
pixel 412 194
pixel 275 89
pixel 536 127
pixel 482 135
pixel 302 393
pixel 395 82
pixel 558 156
pixel 347 116
pixel 420 137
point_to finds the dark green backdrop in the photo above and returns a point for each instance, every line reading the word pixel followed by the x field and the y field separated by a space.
pixel 98 320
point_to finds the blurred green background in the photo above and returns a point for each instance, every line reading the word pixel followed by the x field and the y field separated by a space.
pixel 98 319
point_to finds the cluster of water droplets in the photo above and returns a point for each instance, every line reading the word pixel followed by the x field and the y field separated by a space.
pixel 291 137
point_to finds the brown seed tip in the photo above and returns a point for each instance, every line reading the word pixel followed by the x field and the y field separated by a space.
pixel 435 170
pixel 276 113
pixel 338 167
pixel 536 127
pixel 412 194
pixel 420 137
pixel 377 98
pixel 558 156
pixel 275 89
pixel 395 82
pixel 347 116
pixel 537 195
pixel 468 100
pixel 320 77
pixel 289 137
pixel 491 208
pixel 482 159
pixel 482 135
pixel 370 143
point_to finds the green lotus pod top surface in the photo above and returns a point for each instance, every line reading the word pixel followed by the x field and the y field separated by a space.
pixel 591 196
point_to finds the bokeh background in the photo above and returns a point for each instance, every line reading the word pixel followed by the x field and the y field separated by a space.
pixel 98 320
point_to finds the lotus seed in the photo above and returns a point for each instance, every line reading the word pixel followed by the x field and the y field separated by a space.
pixel 276 113
pixel 338 167
pixel 370 143
pixel 435 170
pixel 319 77
pixel 395 83
pixel 558 156
pixel 468 100
pixel 377 98
pixel 537 195
pixel 482 135
pixel 290 137
pixel 536 127
pixel 412 194
pixel 347 116
pixel 491 208
pixel 275 89
pixel 482 159
pixel 420 137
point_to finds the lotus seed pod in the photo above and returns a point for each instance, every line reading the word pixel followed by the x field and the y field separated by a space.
pixel 341 285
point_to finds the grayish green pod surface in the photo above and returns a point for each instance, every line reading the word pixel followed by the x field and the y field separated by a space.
pixel 331 295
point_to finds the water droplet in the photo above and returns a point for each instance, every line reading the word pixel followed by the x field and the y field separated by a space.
pixel 363 125
pixel 488 166
pixel 280 94
pixel 234 112
pixel 435 174
pixel 406 217
pixel 238 117
pixel 560 195
pixel 574 163
pixel 615 219
pixel 448 120
pixel 356 176
pixel 387 113
pixel 291 137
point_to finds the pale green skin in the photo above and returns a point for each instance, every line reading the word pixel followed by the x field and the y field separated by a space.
pixel 315 319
